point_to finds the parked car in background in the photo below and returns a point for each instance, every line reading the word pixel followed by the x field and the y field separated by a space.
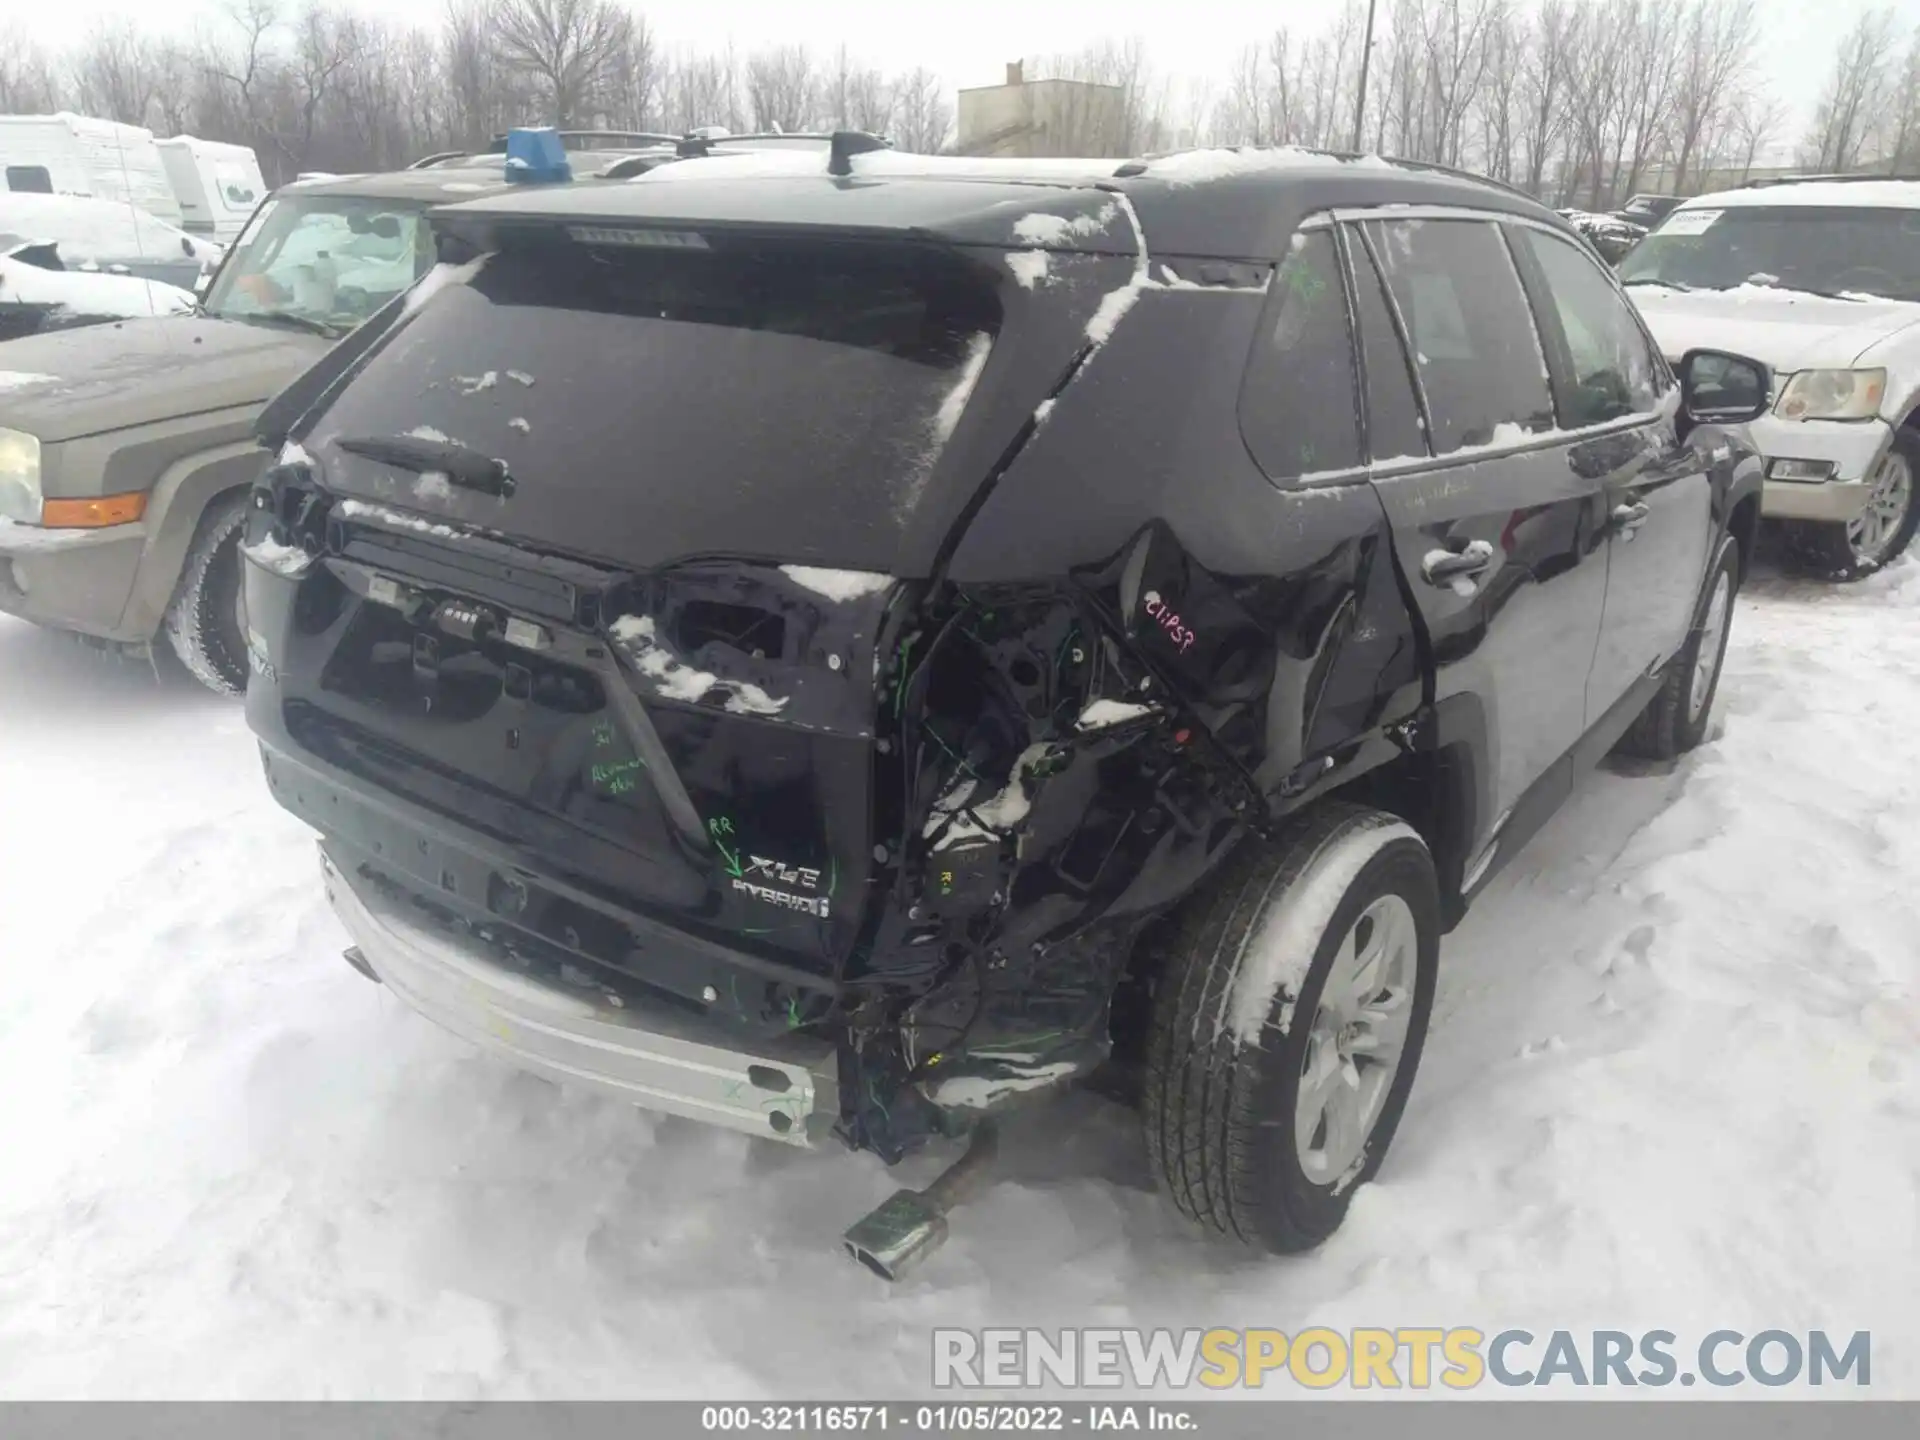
pixel 67 154
pixel 1646 211
pixel 126 450
pixel 1821 280
pixel 38 293
pixel 838 645
pixel 109 236
pixel 1609 235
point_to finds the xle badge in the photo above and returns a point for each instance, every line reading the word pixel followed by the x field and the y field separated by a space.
pixel 767 880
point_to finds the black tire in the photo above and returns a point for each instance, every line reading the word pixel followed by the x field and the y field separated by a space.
pixel 1220 1109
pixel 1826 550
pixel 203 623
pixel 1672 723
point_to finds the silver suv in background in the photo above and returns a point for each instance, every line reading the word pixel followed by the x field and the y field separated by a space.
pixel 1820 279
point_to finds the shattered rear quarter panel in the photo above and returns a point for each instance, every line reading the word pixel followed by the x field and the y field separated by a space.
pixel 1144 453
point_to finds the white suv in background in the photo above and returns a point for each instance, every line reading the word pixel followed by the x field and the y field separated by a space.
pixel 1819 278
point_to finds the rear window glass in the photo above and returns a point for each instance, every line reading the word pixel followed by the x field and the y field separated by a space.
pixel 1297 409
pixel 773 398
pixel 1475 351
pixel 29 179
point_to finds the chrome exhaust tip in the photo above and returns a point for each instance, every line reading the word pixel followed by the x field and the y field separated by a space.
pixel 911 1224
pixel 897 1236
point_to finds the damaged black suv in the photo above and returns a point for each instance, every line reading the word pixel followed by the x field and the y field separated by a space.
pixel 835 645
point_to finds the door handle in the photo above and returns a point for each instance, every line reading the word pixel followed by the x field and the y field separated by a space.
pixel 1443 567
pixel 1630 517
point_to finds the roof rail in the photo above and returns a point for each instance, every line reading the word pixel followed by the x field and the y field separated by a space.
pixel 1140 166
pixel 696 143
pixel 1456 172
pixel 1768 181
pixel 573 139
pixel 439 157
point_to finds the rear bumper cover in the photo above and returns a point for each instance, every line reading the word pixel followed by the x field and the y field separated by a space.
pixel 784 1089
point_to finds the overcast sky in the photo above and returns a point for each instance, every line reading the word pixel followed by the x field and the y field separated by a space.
pixel 969 42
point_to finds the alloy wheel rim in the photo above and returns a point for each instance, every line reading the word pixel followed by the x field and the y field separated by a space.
pixel 1356 1042
pixel 1871 533
pixel 1706 663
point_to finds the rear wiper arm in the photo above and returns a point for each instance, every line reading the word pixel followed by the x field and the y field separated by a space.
pixel 462 465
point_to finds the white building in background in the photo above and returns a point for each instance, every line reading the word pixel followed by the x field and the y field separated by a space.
pixel 1043 117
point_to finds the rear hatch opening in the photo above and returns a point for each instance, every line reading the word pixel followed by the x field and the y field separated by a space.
pixel 620 565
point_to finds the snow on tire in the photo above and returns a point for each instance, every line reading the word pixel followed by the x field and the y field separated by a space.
pixel 204 622
pixel 1288 1023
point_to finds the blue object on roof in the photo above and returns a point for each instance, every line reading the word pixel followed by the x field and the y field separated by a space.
pixel 536 157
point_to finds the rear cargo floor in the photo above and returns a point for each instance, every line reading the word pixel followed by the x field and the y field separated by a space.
pixel 235 1168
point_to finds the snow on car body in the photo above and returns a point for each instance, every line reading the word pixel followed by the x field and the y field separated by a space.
pixel 1820 279
pixel 793 691
pixel 36 298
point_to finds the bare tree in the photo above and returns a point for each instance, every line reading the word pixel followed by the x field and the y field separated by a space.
pixel 870 102
pixel 705 90
pixel 114 73
pixel 1755 123
pixel 243 73
pixel 1902 149
pixel 782 88
pixel 1717 49
pixel 1550 40
pixel 922 118
pixel 1456 59
pixel 636 82
pixel 1855 89
pixel 568 48
pixel 28 82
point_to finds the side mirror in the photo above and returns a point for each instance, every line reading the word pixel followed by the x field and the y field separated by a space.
pixel 202 281
pixel 1722 389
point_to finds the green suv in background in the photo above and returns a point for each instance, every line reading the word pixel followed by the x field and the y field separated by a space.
pixel 126 449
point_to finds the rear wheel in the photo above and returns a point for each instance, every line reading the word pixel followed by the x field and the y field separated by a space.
pixel 1882 530
pixel 1675 720
pixel 1287 1027
pixel 207 622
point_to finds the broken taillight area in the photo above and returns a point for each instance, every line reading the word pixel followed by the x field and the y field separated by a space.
pixel 1050 796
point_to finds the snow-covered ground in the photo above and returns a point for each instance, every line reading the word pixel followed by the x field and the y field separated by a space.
pixel 1674 1082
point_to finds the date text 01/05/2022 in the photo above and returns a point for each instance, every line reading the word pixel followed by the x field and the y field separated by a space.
pixel 943 1419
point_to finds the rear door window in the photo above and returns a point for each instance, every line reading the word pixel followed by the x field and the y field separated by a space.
pixel 1608 370
pixel 1298 408
pixel 1394 428
pixel 1479 361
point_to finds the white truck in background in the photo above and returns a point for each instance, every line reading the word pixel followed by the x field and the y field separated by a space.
pixel 218 184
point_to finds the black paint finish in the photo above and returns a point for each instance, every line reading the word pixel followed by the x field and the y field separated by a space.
pixel 929 815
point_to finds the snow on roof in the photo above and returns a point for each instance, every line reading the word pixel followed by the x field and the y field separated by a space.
pixel 1191 167
pixel 89 229
pixel 1855 194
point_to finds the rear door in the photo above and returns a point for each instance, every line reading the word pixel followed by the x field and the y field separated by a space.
pixel 1499 537
pixel 1614 392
